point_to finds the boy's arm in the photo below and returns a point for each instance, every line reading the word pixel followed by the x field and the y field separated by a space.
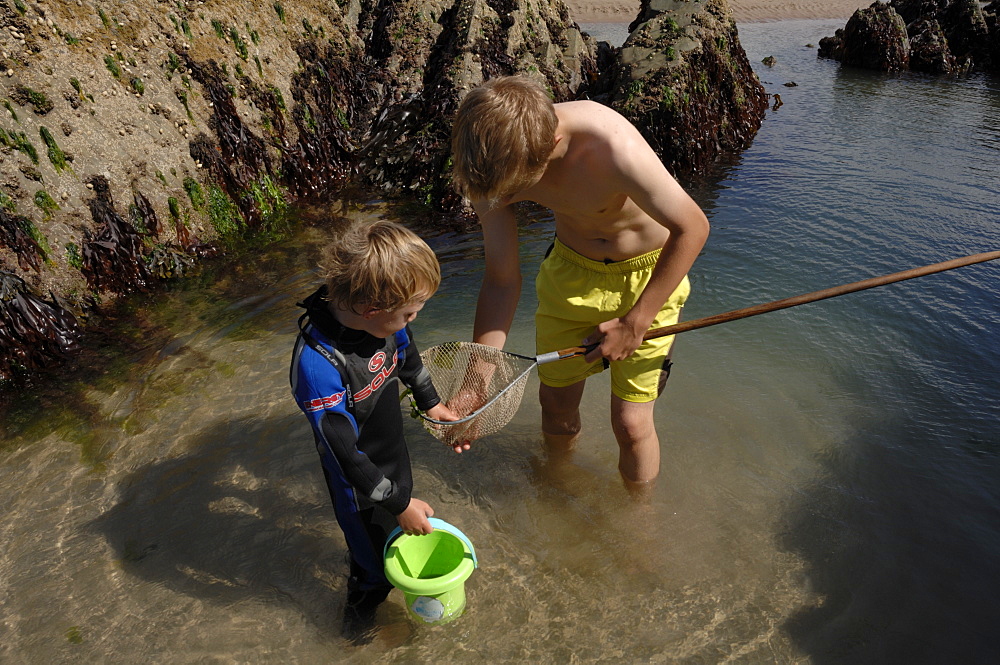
pixel 651 187
pixel 501 288
pixel 415 376
pixel 342 439
pixel 320 393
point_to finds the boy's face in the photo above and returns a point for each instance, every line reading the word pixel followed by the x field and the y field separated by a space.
pixel 381 323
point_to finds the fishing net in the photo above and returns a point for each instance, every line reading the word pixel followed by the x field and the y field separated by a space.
pixel 480 383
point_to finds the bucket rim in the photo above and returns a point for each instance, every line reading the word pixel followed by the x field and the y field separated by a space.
pixel 431 586
pixel 439 525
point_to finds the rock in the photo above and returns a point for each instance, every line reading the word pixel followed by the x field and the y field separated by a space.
pixel 360 101
pixel 929 50
pixel 941 36
pixel 683 78
pixel 875 38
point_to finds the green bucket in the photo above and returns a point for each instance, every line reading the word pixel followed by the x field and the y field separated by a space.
pixel 431 571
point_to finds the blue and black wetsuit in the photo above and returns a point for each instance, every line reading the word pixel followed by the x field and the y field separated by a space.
pixel 345 381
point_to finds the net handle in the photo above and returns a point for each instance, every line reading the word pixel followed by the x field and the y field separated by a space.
pixel 736 314
pixel 785 303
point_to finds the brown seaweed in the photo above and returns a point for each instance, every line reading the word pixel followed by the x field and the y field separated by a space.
pixel 35 333
pixel 147 214
pixel 14 235
pixel 113 258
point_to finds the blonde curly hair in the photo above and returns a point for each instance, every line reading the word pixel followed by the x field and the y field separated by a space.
pixel 381 265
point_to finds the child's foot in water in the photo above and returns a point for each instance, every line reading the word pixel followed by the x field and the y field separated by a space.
pixel 359 615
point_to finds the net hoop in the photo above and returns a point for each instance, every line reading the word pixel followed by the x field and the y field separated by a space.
pixel 482 384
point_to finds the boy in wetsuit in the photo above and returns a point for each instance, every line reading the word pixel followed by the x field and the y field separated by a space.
pixel 354 343
pixel 626 237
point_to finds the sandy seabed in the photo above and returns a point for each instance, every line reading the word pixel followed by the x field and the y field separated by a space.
pixel 745 11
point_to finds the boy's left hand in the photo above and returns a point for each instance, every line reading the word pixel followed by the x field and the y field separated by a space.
pixel 413 520
pixel 441 412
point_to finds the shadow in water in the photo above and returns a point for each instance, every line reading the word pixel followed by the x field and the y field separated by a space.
pixel 901 541
pixel 244 516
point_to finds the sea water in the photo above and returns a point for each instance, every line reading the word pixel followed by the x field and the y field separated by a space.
pixel 828 488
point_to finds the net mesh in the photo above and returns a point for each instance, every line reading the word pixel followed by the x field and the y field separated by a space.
pixel 480 383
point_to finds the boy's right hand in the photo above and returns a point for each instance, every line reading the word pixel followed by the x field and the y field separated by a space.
pixel 413 520
pixel 444 413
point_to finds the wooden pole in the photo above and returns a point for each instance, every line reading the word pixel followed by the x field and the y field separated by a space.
pixel 820 295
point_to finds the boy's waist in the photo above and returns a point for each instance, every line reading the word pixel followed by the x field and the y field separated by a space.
pixel 641 262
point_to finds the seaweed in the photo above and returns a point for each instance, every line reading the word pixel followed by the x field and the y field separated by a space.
pixel 146 213
pixel 20 142
pixel 24 96
pixel 45 203
pixel 112 65
pixel 35 333
pixel 241 46
pixel 16 236
pixel 112 259
pixel 224 215
pixel 194 192
pixel 167 262
pixel 56 155
pixel 73 257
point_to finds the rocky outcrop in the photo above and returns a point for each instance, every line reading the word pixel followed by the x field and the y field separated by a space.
pixel 933 36
pixel 138 137
pixel 683 78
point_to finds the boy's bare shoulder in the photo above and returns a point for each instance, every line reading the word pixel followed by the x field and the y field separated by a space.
pixel 593 118
pixel 586 107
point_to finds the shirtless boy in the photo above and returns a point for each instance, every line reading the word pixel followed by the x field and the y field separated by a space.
pixel 626 236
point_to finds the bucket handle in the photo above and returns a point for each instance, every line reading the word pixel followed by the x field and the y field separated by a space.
pixel 440 525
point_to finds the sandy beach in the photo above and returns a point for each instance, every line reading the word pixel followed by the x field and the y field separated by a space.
pixel 745 11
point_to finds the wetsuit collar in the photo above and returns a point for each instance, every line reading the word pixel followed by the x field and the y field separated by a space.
pixel 318 309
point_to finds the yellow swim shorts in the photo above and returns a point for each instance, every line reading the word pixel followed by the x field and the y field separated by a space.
pixel 575 294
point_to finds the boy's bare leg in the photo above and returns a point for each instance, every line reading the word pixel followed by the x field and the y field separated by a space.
pixel 561 415
pixel 638 444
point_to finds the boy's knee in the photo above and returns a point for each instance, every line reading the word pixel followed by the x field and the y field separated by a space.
pixel 559 401
pixel 633 423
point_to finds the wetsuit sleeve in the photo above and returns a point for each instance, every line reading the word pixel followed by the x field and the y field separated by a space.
pixel 320 392
pixel 416 377
pixel 366 478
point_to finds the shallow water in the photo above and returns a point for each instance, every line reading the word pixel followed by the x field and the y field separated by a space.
pixel 828 487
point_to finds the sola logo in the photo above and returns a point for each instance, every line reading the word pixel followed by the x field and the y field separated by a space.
pixel 376 362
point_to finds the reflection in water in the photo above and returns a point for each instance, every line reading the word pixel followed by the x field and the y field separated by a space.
pixel 828 484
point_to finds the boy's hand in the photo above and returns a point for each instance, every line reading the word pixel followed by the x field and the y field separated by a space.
pixel 443 412
pixel 413 520
pixel 616 341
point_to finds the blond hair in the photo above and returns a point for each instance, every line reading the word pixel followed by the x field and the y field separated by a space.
pixel 503 135
pixel 381 265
